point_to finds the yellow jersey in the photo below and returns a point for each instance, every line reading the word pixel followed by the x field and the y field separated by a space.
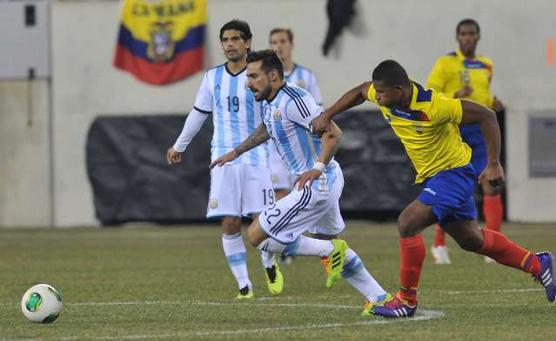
pixel 452 71
pixel 428 131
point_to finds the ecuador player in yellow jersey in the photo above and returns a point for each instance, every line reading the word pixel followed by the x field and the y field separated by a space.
pixel 465 74
pixel 427 125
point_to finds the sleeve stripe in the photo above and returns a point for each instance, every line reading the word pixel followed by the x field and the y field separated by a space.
pixel 202 111
pixel 298 102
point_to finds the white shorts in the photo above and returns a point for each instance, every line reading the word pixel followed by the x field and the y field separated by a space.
pixel 309 209
pixel 239 190
pixel 281 177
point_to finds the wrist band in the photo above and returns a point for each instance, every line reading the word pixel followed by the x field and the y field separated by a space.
pixel 319 166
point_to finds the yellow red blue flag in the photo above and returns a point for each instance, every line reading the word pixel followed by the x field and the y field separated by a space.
pixel 161 42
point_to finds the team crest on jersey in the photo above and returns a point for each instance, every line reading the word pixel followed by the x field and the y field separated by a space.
pixel 418 127
pixel 277 115
pixel 301 83
pixel 161 47
pixel 213 203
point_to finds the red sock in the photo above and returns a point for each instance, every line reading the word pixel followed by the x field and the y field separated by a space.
pixel 439 236
pixel 504 251
pixel 412 255
pixel 493 211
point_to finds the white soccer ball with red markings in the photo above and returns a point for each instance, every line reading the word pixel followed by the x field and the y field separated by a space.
pixel 42 303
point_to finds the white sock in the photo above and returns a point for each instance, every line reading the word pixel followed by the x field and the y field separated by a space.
pixel 360 279
pixel 235 252
pixel 267 258
pixel 303 246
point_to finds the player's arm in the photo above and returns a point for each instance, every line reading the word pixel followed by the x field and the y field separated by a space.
pixel 191 127
pixel 330 140
pixel 437 79
pixel 486 118
pixel 350 99
pixel 193 123
pixel 259 136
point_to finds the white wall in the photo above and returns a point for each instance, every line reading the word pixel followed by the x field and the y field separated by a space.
pixel 24 154
pixel 414 32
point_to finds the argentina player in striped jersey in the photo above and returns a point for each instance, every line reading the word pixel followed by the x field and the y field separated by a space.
pixel 281 40
pixel 244 187
pixel 314 202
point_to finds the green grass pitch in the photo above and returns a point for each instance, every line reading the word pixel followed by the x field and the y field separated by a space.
pixel 144 283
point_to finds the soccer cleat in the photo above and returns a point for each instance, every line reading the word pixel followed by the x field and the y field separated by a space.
pixel 397 307
pixel 245 293
pixel 274 279
pixel 440 254
pixel 336 261
pixel 380 300
pixel 546 276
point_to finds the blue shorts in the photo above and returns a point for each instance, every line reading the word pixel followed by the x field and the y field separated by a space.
pixel 473 136
pixel 450 194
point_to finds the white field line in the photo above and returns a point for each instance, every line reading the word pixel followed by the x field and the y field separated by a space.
pixel 123 303
pixel 422 315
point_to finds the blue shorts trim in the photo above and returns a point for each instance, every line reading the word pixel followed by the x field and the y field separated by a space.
pixel 450 194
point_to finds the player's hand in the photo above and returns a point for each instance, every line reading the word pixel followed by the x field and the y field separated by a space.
pixel 221 161
pixel 319 125
pixel 497 105
pixel 307 178
pixel 463 92
pixel 494 174
pixel 173 156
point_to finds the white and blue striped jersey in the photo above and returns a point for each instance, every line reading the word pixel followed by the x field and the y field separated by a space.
pixel 235 113
pixel 287 118
pixel 304 78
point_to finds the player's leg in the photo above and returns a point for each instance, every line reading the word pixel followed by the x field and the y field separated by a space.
pixel 439 249
pixel 224 201
pixel 257 194
pixel 411 222
pixel 493 210
pixel 329 226
pixel 504 251
pixel 279 229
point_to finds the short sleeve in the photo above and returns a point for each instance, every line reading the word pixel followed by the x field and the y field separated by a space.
pixel 301 107
pixel 371 94
pixel 203 101
pixel 446 110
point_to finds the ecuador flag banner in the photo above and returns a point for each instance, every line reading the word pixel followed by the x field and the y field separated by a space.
pixel 161 42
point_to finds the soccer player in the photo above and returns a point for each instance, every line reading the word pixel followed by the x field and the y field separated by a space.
pixel 427 125
pixel 464 74
pixel 314 201
pixel 281 41
pixel 243 187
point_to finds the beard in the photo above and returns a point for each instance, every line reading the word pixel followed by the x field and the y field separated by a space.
pixel 264 93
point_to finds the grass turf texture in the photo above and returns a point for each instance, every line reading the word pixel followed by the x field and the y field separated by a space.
pixel 174 283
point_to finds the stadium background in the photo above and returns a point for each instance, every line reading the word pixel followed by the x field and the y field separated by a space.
pixel 44 180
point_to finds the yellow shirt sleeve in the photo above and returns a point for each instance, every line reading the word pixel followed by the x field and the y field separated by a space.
pixel 371 94
pixel 437 78
pixel 445 110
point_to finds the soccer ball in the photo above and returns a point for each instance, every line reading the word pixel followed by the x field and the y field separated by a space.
pixel 42 303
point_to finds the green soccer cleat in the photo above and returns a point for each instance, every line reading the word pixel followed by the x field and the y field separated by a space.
pixel 381 300
pixel 245 293
pixel 274 279
pixel 335 263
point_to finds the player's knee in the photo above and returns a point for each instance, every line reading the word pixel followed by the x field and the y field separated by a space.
pixel 255 234
pixel 405 227
pixel 471 244
pixel 231 225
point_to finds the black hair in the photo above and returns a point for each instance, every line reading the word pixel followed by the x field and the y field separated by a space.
pixel 391 73
pixel 270 61
pixel 287 31
pixel 237 25
pixel 468 22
